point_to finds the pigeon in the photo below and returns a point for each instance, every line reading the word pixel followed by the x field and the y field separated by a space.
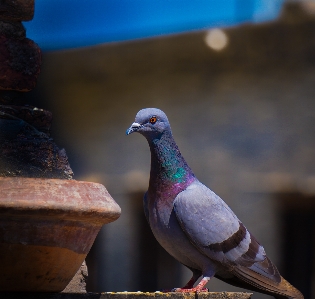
pixel 195 225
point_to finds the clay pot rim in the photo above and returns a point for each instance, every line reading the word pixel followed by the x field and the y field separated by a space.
pixel 65 199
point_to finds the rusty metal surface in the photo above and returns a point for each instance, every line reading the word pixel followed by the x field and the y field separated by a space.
pixel 47 227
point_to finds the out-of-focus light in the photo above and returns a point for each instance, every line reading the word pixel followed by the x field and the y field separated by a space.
pixel 216 39
pixel 309 7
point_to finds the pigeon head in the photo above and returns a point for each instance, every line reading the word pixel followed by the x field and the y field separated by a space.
pixel 150 122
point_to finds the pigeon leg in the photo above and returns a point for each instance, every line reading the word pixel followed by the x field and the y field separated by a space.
pixel 197 288
pixel 191 282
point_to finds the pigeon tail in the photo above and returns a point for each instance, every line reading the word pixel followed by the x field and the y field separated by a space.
pixel 252 280
pixel 290 291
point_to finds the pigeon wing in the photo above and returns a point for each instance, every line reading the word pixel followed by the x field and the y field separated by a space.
pixel 214 229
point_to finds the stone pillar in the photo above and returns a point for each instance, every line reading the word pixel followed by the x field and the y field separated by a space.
pixel 26 147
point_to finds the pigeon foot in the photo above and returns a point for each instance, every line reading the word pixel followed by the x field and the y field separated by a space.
pixel 198 288
pixel 192 290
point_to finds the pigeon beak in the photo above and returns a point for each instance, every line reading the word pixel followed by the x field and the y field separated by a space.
pixel 133 128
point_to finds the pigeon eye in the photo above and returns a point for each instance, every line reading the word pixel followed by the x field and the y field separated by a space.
pixel 153 120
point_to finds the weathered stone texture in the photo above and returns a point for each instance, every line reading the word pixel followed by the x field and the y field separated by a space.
pixel 17 10
pixel 12 29
pixel 20 61
pixel 160 295
pixel 26 148
pixel 78 282
pixel 128 295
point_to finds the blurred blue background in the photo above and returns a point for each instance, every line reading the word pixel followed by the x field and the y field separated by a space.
pixel 60 24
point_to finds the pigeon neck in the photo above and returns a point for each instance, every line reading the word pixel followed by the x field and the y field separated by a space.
pixel 168 167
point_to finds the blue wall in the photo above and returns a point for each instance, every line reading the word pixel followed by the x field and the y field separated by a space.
pixel 60 24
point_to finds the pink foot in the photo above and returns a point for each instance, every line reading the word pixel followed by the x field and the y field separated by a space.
pixel 192 290
pixel 199 288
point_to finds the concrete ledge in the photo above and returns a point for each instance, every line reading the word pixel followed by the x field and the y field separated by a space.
pixel 127 295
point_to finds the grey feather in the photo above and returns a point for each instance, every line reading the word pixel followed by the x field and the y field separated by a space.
pixel 208 222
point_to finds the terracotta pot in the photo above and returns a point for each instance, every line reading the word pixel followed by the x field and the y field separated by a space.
pixel 47 227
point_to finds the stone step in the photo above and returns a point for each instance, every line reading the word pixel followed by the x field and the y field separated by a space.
pixel 127 295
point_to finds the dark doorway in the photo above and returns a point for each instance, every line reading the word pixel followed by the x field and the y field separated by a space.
pixel 298 224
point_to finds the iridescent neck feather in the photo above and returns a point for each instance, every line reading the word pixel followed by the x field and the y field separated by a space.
pixel 168 167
